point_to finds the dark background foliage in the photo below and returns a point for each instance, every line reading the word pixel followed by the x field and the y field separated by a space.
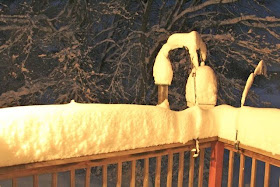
pixel 53 51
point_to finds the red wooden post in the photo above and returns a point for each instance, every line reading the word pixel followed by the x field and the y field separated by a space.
pixel 216 164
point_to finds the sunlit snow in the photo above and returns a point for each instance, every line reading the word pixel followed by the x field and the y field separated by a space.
pixel 39 133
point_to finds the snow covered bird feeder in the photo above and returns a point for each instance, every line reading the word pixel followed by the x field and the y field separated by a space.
pixel 201 86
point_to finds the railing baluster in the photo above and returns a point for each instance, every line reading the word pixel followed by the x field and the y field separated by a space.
pixel 35 181
pixel 54 180
pixel 158 170
pixel 253 173
pixel 216 164
pixel 14 182
pixel 181 169
pixel 119 179
pixel 146 172
pixel 87 178
pixel 230 168
pixel 191 169
pixel 266 174
pixel 132 177
pixel 241 170
pixel 72 177
pixel 104 176
pixel 170 168
pixel 201 168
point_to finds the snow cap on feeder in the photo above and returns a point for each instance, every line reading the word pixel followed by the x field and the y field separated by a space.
pixel 201 88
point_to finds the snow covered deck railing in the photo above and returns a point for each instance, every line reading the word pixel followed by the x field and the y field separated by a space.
pixel 58 138
pixel 175 175
pixel 253 153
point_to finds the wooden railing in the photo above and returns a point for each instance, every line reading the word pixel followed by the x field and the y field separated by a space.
pixel 196 171
pixel 253 153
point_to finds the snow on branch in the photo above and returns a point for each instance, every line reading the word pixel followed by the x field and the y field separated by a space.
pixel 250 18
pixel 199 7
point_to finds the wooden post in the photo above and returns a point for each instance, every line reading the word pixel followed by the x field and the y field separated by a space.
pixel 104 175
pixel 181 169
pixel 241 170
pixel 14 182
pixel 72 177
pixel 162 93
pixel 158 170
pixel 170 168
pixel 132 177
pixel 216 164
pixel 230 168
pixel 191 169
pixel 35 181
pixel 266 174
pixel 54 180
pixel 253 173
pixel 201 167
pixel 87 177
pixel 146 173
pixel 119 175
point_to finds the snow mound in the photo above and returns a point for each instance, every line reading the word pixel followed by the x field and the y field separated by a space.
pixel 192 41
pixel 162 71
pixel 41 133
pixel 257 127
pixel 201 88
pixel 164 104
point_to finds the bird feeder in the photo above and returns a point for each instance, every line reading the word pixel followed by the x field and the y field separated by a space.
pixel 201 88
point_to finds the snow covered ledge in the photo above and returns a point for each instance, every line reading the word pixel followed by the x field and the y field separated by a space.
pixel 40 133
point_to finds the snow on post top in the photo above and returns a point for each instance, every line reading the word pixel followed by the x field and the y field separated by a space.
pixel 260 70
pixel 192 41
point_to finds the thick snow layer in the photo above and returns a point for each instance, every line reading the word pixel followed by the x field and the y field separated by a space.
pixel 40 133
pixel 201 87
pixel 248 85
pixel 164 104
pixel 162 71
pixel 257 127
pixel 192 41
